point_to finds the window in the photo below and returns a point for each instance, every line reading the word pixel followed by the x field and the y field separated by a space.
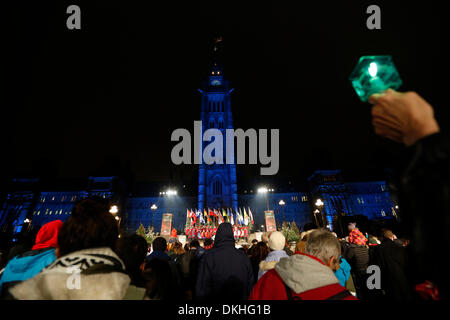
pixel 209 106
pixel 304 198
pixel 217 187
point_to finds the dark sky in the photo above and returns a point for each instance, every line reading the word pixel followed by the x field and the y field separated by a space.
pixel 105 99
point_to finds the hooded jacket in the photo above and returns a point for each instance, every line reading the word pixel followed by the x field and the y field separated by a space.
pixel 305 276
pixel 89 274
pixel 224 272
pixel 271 261
pixel 30 263
pixel 343 273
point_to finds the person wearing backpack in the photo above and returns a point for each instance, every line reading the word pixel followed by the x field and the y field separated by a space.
pixel 305 276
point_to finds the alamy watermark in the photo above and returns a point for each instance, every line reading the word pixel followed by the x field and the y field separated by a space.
pixel 213 153
pixel 74 280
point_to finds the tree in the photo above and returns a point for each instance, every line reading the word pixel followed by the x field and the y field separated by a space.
pixel 295 228
pixel 141 230
pixel 290 232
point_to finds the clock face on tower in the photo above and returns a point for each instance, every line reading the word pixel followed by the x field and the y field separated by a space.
pixel 216 82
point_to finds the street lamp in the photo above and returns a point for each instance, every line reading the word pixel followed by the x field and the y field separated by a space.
pixel 114 209
pixel 28 222
pixel 265 191
pixel 315 216
pixel 282 203
pixel 319 203
pixel 168 193
pixel 153 207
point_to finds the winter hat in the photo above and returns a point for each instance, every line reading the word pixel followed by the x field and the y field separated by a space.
pixel 47 236
pixel 276 241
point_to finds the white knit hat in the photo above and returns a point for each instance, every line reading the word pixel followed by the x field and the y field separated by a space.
pixel 276 241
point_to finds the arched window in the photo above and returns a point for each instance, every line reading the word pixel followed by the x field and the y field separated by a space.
pixel 209 105
pixel 221 104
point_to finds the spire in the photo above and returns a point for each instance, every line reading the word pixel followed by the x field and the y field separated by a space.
pixel 216 67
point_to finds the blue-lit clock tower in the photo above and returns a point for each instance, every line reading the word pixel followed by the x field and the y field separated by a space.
pixel 217 182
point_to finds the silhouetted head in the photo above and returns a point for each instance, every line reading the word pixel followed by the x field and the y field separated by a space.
pixel 224 235
pixel 159 244
pixel 89 226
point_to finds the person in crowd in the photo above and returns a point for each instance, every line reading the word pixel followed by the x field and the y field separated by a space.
pixel 225 272
pixel 159 251
pixel 86 267
pixel 373 241
pixel 357 255
pixel 208 244
pixel 287 249
pixel 200 249
pixel 24 243
pixel 259 254
pixel 186 247
pixel 355 236
pixel 423 180
pixel 160 283
pixel 188 266
pixel 393 262
pixel 344 272
pixel 305 276
pixel 28 264
pixel 344 275
pixel 301 245
pixel 252 247
pixel 132 249
pixel 176 251
pixel 276 244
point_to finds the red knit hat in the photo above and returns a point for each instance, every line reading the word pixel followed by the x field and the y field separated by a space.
pixel 47 236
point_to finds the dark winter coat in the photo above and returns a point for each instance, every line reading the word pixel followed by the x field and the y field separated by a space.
pixel 225 273
pixel 393 262
pixel 188 267
pixel 358 257
pixel 424 200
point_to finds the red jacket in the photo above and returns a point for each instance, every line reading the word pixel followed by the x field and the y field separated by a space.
pixel 271 286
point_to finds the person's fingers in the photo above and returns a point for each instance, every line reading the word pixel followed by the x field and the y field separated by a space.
pixel 389 133
pixel 381 122
pixel 373 99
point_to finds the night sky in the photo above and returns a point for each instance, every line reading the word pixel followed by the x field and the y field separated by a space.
pixel 105 99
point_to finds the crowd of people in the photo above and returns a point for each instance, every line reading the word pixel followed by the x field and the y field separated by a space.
pixel 86 257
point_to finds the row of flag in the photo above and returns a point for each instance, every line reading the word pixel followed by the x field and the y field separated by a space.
pixel 208 216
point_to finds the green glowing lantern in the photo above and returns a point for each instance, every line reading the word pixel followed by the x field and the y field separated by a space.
pixel 374 74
